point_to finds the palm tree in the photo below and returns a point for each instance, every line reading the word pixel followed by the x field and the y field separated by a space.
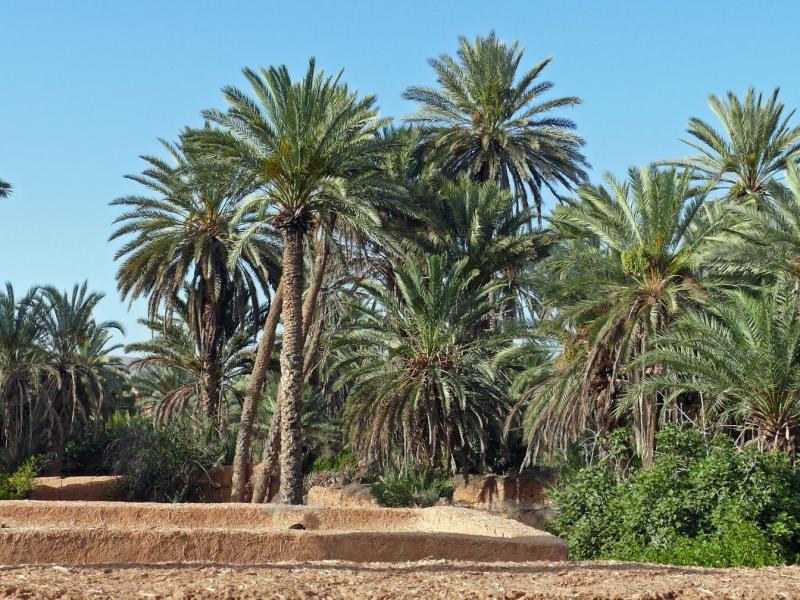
pixel 22 364
pixel 200 227
pixel 307 142
pixel 629 266
pixel 5 189
pixel 81 376
pixel 423 387
pixel 487 122
pixel 163 392
pixel 743 357
pixel 476 222
pixel 756 144
pixel 174 356
pixel 765 239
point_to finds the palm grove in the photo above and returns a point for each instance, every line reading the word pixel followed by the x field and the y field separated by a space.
pixel 320 281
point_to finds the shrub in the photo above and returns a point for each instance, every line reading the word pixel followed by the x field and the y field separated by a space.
pixel 703 503
pixel 411 487
pixel 20 483
pixel 161 463
pixel 339 469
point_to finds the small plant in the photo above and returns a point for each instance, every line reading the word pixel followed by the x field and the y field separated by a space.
pixel 19 484
pixel 339 469
pixel 411 487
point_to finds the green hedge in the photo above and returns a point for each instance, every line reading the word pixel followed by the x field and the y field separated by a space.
pixel 703 503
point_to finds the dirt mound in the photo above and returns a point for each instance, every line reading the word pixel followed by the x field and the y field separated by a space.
pixel 428 579
pixel 143 533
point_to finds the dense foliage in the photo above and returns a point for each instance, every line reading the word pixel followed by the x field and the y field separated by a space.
pixel 702 502
pixel 321 283
pixel 20 483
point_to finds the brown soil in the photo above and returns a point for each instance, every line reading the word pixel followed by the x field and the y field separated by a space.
pixel 427 579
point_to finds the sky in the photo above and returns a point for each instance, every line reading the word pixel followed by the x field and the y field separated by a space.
pixel 86 87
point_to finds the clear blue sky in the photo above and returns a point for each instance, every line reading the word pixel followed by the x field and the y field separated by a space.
pixel 88 86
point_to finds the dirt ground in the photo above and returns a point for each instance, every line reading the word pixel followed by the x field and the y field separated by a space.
pixel 423 580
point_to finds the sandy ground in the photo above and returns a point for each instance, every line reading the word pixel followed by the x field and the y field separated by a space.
pixel 428 579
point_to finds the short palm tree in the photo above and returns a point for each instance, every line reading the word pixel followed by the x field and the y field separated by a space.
pixel 423 388
pixel 743 357
pixel 476 222
pixel 199 227
pixel 82 376
pixel 308 143
pixel 488 121
pixel 629 266
pixel 5 189
pixel 170 370
pixel 22 365
pixel 754 147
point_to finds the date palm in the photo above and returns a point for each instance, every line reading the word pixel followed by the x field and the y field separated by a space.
pixel 488 120
pixel 22 365
pixel 307 142
pixel 764 242
pixel 630 264
pixel 199 227
pixel 423 388
pixel 5 189
pixel 743 357
pixel 476 222
pixel 170 368
pixel 755 145
pixel 82 376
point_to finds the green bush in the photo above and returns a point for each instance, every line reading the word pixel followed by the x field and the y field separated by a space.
pixel 702 503
pixel 411 487
pixel 161 463
pixel 339 462
pixel 20 483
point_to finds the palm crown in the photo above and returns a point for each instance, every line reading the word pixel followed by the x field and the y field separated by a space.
pixel 755 145
pixel 487 122
pixel 420 369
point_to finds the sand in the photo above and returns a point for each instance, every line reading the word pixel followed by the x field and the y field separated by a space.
pixel 423 580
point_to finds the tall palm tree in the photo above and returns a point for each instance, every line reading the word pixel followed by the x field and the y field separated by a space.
pixel 754 146
pixel 202 228
pixel 487 121
pixel 743 356
pixel 629 266
pixel 5 189
pixel 423 387
pixel 307 142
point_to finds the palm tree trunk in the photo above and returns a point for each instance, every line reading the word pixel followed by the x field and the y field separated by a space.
pixel 244 437
pixel 210 385
pixel 291 385
pixel 272 447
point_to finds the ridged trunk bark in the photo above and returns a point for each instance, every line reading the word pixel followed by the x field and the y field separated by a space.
pixel 244 437
pixel 210 381
pixel 269 458
pixel 291 385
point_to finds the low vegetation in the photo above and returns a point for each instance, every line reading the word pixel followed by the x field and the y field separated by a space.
pixel 703 502
pixel 411 487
